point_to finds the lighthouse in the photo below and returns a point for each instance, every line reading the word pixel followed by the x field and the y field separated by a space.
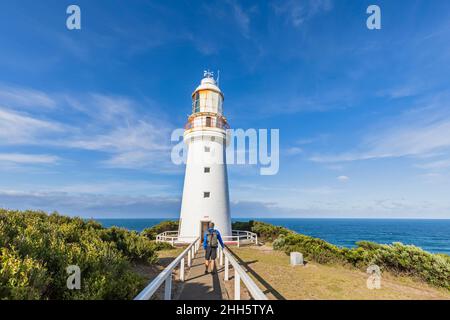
pixel 205 190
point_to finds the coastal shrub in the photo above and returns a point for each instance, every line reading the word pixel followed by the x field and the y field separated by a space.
pixel 279 243
pixel 161 227
pixel 36 248
pixel 242 225
pixel 158 246
pixel 265 231
pixel 135 246
pixel 268 231
pixel 312 248
pixel 411 260
pixel 21 278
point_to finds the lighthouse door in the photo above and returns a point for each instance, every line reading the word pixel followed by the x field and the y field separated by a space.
pixel 203 229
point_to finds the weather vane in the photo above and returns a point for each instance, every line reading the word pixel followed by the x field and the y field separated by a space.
pixel 208 74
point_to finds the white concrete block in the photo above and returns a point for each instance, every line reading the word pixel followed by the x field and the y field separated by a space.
pixel 296 259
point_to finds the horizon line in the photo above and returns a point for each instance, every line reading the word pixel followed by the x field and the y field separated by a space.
pixel 282 218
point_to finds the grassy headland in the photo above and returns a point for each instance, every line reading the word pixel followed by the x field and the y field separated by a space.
pixel 397 258
pixel 316 281
pixel 36 248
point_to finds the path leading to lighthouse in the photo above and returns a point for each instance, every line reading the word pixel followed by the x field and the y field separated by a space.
pixel 201 286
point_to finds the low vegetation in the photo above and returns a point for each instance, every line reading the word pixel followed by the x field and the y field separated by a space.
pixel 396 258
pixel 36 249
pixel 161 227
pixel 265 231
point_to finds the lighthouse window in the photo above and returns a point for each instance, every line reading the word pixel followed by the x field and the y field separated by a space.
pixel 206 194
pixel 207 169
pixel 207 149
pixel 196 104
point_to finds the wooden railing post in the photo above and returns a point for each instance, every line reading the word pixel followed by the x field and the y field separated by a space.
pixel 227 269
pixel 168 288
pixel 220 256
pixel 166 275
pixel 237 286
pixel 189 258
pixel 182 270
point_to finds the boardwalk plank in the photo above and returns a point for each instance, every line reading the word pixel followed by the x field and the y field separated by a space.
pixel 201 286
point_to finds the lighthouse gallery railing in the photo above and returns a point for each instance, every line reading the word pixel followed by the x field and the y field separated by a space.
pixel 238 237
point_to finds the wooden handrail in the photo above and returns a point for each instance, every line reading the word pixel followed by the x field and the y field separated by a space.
pixel 166 275
pixel 239 274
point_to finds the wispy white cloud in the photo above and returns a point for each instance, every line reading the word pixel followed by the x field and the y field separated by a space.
pixel 292 190
pixel 294 151
pixel 92 205
pixel 418 132
pixel 241 17
pixel 22 128
pixel 104 186
pixel 21 158
pixel 117 126
pixel 12 96
pixel 133 139
pixel 323 100
pixel 377 208
pixel 404 90
pixel 138 135
pixel 343 178
pixel 439 164
pixel 298 12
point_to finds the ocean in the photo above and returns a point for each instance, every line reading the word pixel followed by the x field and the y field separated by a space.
pixel 430 235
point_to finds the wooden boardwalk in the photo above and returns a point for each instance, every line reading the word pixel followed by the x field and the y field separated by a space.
pixel 201 286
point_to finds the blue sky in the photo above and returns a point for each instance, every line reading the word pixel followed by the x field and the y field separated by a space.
pixel 364 116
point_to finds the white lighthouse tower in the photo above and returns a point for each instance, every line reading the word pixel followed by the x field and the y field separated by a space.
pixel 205 192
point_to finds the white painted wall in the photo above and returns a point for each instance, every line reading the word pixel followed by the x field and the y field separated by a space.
pixel 195 208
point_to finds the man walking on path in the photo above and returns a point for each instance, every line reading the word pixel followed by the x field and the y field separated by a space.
pixel 210 243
